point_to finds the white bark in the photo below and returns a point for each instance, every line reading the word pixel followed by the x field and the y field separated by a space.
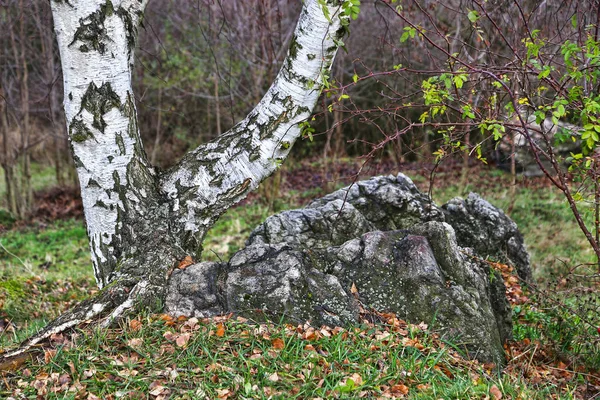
pixel 96 41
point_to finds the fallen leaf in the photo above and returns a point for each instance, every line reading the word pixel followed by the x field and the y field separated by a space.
pixel 167 319
pixel 135 342
pixel 357 379
pixel 400 388
pixel 495 392
pixel 64 379
pixel 158 390
pixel 325 333
pixel 135 325
pixel 186 262
pixel 88 373
pixel 166 349
pixel 273 377
pixel 220 331
pixel 310 334
pixel 353 289
pixel 190 325
pixel 182 339
pixel 48 355
pixel 278 344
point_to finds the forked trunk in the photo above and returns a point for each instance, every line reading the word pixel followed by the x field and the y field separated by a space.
pixel 141 221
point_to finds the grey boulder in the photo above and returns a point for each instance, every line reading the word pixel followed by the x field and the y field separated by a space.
pixel 383 237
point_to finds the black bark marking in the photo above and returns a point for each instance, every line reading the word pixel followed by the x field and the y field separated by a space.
pixel 78 131
pixel 98 101
pixel 92 32
pixel 120 143
pixel 294 47
pixel 130 28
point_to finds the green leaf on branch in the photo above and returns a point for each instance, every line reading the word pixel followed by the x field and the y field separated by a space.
pixel 409 32
pixel 473 16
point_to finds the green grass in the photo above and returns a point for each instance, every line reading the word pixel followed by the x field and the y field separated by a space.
pixel 43 271
pixel 57 251
pixel 233 359
pixel 232 229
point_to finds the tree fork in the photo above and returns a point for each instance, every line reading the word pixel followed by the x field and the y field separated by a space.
pixel 142 222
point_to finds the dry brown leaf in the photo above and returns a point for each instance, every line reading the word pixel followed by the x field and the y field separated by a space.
pixel 135 325
pixel 357 379
pixel 166 349
pixel 88 373
pixel 495 392
pixel 273 377
pixel 325 332
pixel 186 262
pixel 400 388
pixel 353 289
pixel 278 344
pixel 158 390
pixel 310 334
pixel 337 330
pixel 182 339
pixel 190 325
pixel 382 336
pixel 58 338
pixel 49 355
pixel 135 342
pixel 167 319
pixel 220 331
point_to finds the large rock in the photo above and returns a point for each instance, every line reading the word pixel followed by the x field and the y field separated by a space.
pixel 388 240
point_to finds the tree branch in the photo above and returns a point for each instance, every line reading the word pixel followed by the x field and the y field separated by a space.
pixel 218 174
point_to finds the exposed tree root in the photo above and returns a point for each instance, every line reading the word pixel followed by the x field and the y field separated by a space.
pixel 112 304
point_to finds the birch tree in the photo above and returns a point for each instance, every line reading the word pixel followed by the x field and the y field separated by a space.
pixel 142 221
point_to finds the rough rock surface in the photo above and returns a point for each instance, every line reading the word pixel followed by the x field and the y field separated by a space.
pixel 489 231
pixel 402 253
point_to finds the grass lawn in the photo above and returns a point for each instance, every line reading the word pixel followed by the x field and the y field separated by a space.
pixel 45 268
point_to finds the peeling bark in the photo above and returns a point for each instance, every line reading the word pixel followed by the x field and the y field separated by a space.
pixel 141 222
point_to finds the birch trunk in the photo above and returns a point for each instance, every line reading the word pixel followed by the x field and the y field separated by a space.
pixel 142 221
